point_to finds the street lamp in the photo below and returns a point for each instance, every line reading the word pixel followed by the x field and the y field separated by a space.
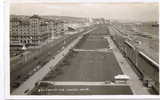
pixel 24 47
pixel 64 42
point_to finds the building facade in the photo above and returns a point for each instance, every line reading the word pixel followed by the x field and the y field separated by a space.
pixel 59 28
pixel 32 31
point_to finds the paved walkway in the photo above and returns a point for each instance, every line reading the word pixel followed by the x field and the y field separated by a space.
pixel 96 50
pixel 135 84
pixel 82 83
pixel 29 84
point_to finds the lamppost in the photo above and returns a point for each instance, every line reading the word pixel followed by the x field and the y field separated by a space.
pixel 23 49
pixel 64 42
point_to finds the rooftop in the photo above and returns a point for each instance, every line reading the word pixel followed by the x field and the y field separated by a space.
pixel 14 19
pixel 35 16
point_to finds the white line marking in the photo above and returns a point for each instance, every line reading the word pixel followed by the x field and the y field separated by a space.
pixel 82 83
pixel 95 50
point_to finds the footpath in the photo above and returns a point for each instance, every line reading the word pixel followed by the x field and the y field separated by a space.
pixel 134 82
pixel 29 84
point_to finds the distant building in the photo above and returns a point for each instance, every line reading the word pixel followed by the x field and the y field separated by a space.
pixel 14 30
pixel 59 28
pixel 18 32
pixel 33 31
pixel 39 30
pixel 51 25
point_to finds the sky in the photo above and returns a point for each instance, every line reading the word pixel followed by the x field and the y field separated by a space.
pixel 119 11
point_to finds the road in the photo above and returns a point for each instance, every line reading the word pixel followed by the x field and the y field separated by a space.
pixel 87 66
pixel 20 74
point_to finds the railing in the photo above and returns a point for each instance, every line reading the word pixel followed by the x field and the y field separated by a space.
pixel 148 68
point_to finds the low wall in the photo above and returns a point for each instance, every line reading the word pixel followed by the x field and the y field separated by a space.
pixel 23 59
pixel 28 57
pixel 130 52
pixel 149 68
